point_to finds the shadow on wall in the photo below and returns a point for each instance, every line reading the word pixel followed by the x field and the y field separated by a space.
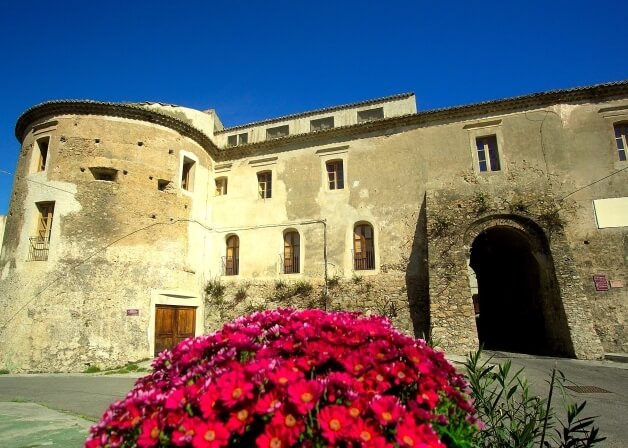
pixel 417 278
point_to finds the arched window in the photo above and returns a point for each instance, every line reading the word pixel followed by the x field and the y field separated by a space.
pixel 363 247
pixel 291 252
pixel 232 259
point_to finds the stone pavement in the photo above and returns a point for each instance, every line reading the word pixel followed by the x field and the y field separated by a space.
pixel 57 410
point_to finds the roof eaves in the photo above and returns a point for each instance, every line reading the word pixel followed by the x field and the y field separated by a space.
pixel 124 110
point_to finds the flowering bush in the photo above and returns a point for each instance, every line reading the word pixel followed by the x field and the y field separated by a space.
pixel 285 378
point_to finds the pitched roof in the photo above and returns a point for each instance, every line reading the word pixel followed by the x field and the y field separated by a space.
pixel 318 111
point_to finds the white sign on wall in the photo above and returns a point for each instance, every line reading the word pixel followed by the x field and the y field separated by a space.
pixel 612 212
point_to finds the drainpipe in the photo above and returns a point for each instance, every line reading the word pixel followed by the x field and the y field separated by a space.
pixel 325 288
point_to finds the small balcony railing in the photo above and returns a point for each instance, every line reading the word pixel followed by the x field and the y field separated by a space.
pixel 230 266
pixel 289 265
pixel 363 261
pixel 38 248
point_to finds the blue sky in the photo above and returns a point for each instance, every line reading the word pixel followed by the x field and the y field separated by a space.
pixel 255 60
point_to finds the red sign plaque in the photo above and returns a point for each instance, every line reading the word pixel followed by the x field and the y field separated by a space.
pixel 601 282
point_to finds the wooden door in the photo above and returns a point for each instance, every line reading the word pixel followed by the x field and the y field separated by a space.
pixel 172 325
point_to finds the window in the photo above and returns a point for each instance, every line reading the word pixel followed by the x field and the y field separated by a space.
pixel 238 139
pixel 265 184
pixel 42 146
pixel 363 247
pixel 335 175
pixel 488 155
pixel 370 115
pixel 107 174
pixel 232 258
pixel 40 243
pixel 277 132
pixel 221 186
pixel 621 137
pixel 291 252
pixel 321 124
pixel 187 174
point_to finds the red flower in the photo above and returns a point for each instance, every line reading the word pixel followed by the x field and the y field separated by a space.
pixel 234 388
pixel 273 437
pixel 208 400
pixel 132 418
pixel 185 431
pixel 305 394
pixel 267 404
pixel 387 409
pixel 210 435
pixel 291 425
pixel 417 436
pixel 285 375
pixel 367 434
pixel 334 422
pixel 149 435
pixel 176 400
pixel 263 377
pixel 239 419
pixel 428 397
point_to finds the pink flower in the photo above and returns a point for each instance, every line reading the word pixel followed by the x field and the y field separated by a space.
pixel 289 378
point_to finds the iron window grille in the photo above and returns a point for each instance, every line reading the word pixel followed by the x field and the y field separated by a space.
pixel 230 265
pixel 38 248
pixel 363 261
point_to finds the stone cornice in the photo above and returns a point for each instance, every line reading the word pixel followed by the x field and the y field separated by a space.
pixel 121 110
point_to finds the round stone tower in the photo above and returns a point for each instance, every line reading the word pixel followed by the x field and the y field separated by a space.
pixel 103 250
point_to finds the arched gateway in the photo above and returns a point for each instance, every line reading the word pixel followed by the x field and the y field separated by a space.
pixel 516 295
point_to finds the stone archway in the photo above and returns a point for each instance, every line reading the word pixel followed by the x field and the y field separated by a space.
pixel 517 300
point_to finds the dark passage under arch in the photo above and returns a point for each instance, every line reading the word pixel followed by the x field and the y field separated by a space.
pixel 519 304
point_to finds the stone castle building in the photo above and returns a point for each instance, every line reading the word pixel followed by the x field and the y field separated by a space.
pixel 132 226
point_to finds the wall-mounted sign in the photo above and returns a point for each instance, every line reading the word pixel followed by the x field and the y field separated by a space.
pixel 617 283
pixel 601 282
pixel 132 312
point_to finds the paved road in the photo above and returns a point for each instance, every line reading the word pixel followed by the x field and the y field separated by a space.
pixel 85 395
pixel 83 398
pixel 610 407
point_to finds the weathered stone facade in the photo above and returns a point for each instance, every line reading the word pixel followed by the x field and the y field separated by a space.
pixel 120 209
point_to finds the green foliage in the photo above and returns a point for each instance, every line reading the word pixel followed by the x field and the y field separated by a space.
pixel 356 279
pixel 92 369
pixel 215 289
pixel 440 226
pixel 303 288
pixel 280 285
pixel 333 282
pixel 518 206
pixel 552 220
pixel 480 202
pixel 241 294
pixel 4 372
pixel 516 418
